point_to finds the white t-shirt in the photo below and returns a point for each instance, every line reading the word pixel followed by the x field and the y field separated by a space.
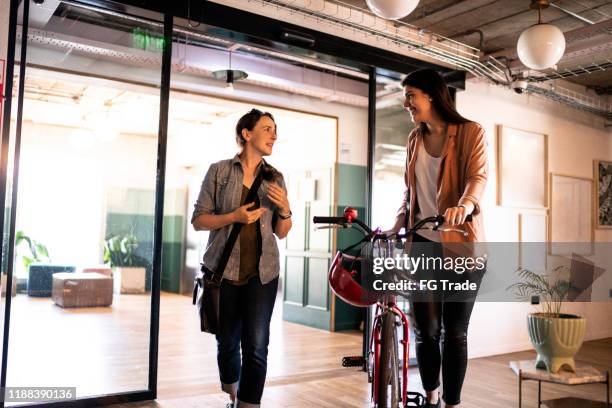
pixel 426 174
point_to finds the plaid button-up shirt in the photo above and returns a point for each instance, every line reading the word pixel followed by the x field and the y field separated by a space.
pixel 220 194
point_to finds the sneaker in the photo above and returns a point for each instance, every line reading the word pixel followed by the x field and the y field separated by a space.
pixel 229 405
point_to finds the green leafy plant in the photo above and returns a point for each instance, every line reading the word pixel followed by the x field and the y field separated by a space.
pixel 119 250
pixel 550 290
pixel 36 252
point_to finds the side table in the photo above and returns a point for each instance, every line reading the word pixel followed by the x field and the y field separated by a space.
pixel 585 374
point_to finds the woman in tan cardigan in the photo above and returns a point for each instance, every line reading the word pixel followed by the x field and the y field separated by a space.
pixel 446 172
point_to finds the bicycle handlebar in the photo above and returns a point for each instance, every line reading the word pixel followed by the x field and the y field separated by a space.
pixel 438 219
pixel 328 220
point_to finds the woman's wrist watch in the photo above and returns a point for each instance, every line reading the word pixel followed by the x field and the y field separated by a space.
pixel 285 216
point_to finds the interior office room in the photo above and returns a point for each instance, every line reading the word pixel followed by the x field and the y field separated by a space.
pixel 113 111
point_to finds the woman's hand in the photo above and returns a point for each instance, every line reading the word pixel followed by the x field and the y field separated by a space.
pixel 244 216
pixel 454 216
pixel 399 224
pixel 278 196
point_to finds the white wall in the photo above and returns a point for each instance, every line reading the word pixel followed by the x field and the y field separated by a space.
pixel 575 139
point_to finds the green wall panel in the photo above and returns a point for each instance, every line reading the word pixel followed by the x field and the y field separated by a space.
pixel 317 283
pixel 347 317
pixel 172 256
pixel 174 228
pixel 307 316
pixel 352 185
pixel 294 280
pixel 306 292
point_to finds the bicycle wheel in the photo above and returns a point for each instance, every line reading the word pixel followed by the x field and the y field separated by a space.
pixel 388 376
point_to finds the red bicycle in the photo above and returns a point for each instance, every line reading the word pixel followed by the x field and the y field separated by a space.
pixel 387 371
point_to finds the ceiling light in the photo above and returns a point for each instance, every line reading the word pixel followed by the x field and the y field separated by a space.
pixel 229 75
pixel 392 9
pixel 540 46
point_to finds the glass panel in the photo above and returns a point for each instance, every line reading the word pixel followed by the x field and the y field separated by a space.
pixel 202 118
pixel 86 191
pixel 393 125
pixel 10 169
pixel 203 114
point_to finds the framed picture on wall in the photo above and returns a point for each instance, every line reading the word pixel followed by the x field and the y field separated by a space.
pixel 603 194
pixel 571 222
pixel 522 166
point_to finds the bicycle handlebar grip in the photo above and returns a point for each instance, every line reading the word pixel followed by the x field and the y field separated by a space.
pixel 328 220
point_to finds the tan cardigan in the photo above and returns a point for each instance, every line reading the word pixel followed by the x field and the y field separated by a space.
pixel 462 177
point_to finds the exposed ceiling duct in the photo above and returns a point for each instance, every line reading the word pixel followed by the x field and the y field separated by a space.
pixel 359 24
pixel 142 58
pixel 577 100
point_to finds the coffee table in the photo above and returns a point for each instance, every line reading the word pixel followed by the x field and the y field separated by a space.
pixel 585 374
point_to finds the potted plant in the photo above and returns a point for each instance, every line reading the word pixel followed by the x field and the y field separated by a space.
pixel 128 272
pixel 556 336
pixel 28 251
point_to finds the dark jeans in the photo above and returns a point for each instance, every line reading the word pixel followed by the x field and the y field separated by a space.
pixel 433 312
pixel 244 321
pixel 245 313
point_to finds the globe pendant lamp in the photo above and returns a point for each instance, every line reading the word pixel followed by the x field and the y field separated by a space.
pixel 540 46
pixel 392 9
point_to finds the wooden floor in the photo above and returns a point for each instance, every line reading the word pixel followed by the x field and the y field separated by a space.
pixel 105 350
pixel 489 384
pixel 304 370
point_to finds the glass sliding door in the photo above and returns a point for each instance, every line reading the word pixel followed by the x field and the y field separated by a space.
pixel 393 125
pixel 9 84
pixel 86 200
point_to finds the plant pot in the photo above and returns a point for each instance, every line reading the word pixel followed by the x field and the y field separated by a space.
pixel 129 279
pixel 556 339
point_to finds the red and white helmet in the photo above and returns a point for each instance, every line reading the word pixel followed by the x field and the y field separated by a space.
pixel 342 281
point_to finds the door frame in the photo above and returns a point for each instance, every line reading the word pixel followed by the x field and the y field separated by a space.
pixel 132 396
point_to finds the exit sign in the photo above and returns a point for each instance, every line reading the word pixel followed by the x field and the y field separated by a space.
pixel 143 39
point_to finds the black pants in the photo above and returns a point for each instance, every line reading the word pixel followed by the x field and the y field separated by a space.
pixel 433 315
pixel 244 322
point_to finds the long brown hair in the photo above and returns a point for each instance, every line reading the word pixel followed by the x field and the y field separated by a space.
pixel 432 83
